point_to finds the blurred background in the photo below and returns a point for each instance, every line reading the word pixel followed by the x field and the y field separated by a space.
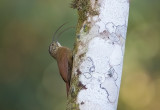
pixel 29 78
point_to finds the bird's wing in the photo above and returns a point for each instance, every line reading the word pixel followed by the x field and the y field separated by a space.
pixel 63 67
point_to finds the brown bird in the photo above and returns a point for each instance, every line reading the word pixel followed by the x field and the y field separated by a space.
pixel 63 56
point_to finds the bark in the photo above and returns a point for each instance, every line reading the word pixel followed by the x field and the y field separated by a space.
pixel 98 54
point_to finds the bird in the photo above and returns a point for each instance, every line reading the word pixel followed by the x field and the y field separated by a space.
pixel 64 58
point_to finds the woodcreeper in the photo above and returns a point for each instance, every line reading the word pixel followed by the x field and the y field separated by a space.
pixel 64 57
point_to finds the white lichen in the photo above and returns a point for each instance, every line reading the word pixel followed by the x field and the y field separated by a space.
pixel 101 66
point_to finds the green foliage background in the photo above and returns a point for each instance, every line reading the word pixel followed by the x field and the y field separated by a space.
pixel 29 78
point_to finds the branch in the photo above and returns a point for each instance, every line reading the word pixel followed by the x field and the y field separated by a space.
pixel 98 54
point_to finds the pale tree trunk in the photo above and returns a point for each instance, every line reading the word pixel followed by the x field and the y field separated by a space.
pixel 98 54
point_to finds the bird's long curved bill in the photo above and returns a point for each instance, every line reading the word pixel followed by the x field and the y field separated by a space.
pixel 54 35
pixel 64 31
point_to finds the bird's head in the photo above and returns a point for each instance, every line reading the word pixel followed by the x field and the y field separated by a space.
pixel 53 48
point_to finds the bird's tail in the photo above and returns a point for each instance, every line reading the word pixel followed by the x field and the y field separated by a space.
pixel 67 88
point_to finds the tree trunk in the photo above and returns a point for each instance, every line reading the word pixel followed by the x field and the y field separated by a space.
pixel 98 54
